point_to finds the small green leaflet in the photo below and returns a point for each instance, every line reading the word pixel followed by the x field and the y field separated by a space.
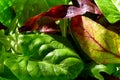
pixel 110 9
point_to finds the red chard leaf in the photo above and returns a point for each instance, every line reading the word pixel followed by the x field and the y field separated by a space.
pixel 99 43
pixel 44 20
pixel 58 11
pixel 84 7
pixel 50 28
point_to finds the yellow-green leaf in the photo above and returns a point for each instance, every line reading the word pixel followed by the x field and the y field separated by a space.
pixel 99 43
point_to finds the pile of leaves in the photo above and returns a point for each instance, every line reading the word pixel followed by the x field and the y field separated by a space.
pixel 59 40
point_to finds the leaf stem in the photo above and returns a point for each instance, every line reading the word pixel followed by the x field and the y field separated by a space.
pixel 66 1
pixel 63 26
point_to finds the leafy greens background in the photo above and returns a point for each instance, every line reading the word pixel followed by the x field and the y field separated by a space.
pixel 17 52
pixel 34 56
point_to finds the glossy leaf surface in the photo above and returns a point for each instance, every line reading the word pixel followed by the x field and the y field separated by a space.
pixel 41 57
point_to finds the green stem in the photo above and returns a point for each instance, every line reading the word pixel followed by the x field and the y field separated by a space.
pixel 63 26
pixel 66 1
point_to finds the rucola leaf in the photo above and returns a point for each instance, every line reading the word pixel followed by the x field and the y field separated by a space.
pixel 100 44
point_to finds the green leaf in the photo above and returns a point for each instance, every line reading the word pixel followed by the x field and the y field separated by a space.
pixel 117 71
pixel 4 40
pixel 4 4
pixel 7 13
pixel 3 78
pixel 100 44
pixel 44 57
pixel 95 70
pixel 117 4
pixel 108 68
pixel 110 9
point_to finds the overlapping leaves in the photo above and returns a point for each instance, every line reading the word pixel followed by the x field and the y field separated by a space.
pixel 14 13
pixel 48 18
pixel 99 43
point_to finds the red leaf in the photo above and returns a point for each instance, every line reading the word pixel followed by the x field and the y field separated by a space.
pixel 84 7
pixel 45 19
pixel 58 11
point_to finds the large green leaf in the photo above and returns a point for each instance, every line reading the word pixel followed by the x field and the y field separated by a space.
pixel 43 57
pixel 110 9
pixel 100 44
